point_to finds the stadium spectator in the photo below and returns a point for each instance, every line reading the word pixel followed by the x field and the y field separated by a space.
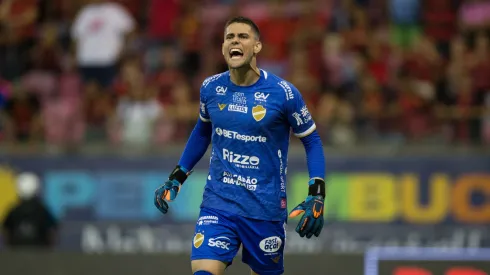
pixel 98 105
pixel 440 22
pixel 29 223
pixel 180 108
pixel 405 16
pixel 17 36
pixel 47 53
pixel 162 18
pixel 21 114
pixel 190 38
pixel 138 112
pixel 99 31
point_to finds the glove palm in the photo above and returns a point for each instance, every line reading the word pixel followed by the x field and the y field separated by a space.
pixel 311 222
pixel 312 208
pixel 170 189
pixel 166 193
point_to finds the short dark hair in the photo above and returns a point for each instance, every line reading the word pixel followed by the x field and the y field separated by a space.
pixel 244 20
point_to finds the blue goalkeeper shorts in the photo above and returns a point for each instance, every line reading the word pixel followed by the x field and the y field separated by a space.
pixel 219 234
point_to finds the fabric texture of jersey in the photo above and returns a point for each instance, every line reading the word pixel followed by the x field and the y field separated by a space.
pixel 250 139
pixel 219 235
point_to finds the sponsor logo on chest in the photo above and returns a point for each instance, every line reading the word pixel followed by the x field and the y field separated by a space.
pixel 239 104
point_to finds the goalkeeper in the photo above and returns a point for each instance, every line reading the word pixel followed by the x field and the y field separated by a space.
pixel 247 114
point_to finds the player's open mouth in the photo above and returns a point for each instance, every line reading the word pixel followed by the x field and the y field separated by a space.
pixel 236 54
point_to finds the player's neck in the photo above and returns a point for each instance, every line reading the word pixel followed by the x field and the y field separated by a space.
pixel 245 76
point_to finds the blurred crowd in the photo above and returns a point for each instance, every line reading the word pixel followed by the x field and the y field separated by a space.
pixel 128 72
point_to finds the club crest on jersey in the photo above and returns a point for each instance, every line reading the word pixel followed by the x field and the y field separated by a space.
pixel 221 106
pixel 198 240
pixel 258 112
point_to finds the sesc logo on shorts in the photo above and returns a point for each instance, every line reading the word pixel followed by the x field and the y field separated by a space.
pixel 271 244
pixel 198 240
pixel 220 242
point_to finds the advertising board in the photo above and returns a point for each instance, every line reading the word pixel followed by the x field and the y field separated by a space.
pixel 426 261
pixel 411 201
pixel 371 190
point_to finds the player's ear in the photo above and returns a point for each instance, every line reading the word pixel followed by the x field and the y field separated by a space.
pixel 257 47
pixel 223 49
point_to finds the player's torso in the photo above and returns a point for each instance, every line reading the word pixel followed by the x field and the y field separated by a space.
pixel 249 141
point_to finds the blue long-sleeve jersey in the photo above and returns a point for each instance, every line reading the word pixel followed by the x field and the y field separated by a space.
pixel 250 131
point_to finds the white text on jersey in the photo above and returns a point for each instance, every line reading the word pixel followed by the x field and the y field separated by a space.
pixel 241 161
pixel 247 182
pixel 259 96
pixel 235 135
pixel 237 108
pixel 287 90
pixel 220 90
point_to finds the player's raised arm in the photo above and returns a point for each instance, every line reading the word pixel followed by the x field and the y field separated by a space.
pixel 304 127
pixel 194 150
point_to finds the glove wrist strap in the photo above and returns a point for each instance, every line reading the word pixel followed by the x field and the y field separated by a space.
pixel 316 187
pixel 179 174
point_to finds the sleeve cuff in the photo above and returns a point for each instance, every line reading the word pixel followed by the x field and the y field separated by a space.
pixel 204 119
pixel 307 132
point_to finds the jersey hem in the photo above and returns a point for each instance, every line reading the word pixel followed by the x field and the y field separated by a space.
pixel 246 216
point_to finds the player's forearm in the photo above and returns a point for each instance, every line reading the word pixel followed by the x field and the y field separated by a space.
pixel 315 157
pixel 196 145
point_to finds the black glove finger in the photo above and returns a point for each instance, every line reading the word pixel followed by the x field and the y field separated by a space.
pixel 155 201
pixel 319 228
pixel 302 226
pixel 164 208
pixel 316 225
pixel 310 226
pixel 298 227
pixel 161 204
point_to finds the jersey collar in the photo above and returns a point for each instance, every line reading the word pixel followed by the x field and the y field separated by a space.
pixel 245 88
